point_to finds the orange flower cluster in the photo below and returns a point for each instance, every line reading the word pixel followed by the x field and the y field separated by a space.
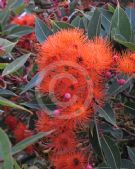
pixel 24 20
pixel 73 79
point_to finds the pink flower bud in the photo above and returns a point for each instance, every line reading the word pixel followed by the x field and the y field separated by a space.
pixel 3 3
pixel 64 19
pixel 67 96
pixel 108 75
pixel 115 58
pixel 121 82
pixel 56 112
pixel 89 167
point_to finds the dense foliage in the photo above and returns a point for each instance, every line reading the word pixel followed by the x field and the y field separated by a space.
pixel 67 84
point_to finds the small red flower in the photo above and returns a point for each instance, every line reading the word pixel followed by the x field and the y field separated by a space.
pixel 70 161
pixel 127 63
pixel 64 142
pixel 24 20
pixel 11 121
pixel 21 132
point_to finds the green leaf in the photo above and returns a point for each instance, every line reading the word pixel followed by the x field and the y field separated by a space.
pixel 131 153
pixel 94 139
pixel 3 65
pixel 42 31
pixel 7 45
pixel 11 3
pixel 106 21
pixel 127 164
pixel 129 107
pixel 121 24
pixel 15 65
pixel 4 17
pixel 127 44
pixel 32 83
pixel 28 141
pixel 16 166
pixel 5 146
pixel 103 166
pixel 94 25
pixel 5 92
pixel 131 15
pixel 115 88
pixel 18 31
pixel 76 21
pixel 57 26
pixel 20 9
pixel 111 8
pixel 5 102
pixel 108 114
pixel 111 152
pixel 97 137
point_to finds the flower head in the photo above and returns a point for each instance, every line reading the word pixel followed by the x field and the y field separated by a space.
pixel 127 63
pixel 64 142
pixel 76 115
pixel 45 122
pixel 70 161
pixel 21 132
pixel 24 20
pixel 100 54
pixel 11 121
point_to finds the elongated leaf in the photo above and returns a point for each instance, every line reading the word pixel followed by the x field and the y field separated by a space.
pixel 5 102
pixel 94 25
pixel 4 16
pixel 127 44
pixel 93 137
pixel 42 31
pixel 106 21
pixel 127 164
pixel 20 9
pixel 121 23
pixel 115 88
pixel 16 166
pixel 76 21
pixel 15 65
pixel 28 141
pixel 131 154
pixel 108 114
pixel 131 15
pixel 111 8
pixel 3 65
pixel 33 82
pixel 7 45
pixel 5 92
pixel 19 6
pixel 111 152
pixel 32 105
pixel 18 31
pixel 11 3
pixel 129 107
pixel 57 26
pixel 103 166
pixel 5 146
pixel 97 136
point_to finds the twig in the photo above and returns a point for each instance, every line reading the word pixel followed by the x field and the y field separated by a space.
pixel 24 51
pixel 128 95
